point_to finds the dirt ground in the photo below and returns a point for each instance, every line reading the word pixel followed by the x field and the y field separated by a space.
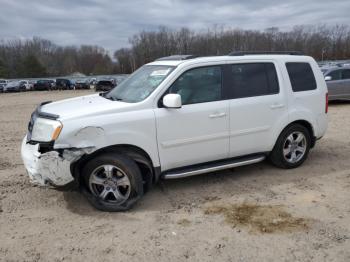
pixel 251 213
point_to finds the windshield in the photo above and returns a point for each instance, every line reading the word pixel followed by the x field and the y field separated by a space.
pixel 140 84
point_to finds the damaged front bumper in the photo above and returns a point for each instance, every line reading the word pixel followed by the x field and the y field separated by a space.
pixel 51 168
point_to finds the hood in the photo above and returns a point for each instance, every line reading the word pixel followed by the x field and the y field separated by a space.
pixel 84 106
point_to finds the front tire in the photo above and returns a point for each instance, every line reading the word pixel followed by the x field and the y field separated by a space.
pixel 292 147
pixel 112 182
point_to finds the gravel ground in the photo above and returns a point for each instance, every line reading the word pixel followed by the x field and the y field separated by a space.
pixel 251 213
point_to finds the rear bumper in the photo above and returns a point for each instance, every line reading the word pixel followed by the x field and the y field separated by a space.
pixel 322 124
pixel 82 86
pixel 103 88
pixel 41 88
pixel 12 89
pixel 47 169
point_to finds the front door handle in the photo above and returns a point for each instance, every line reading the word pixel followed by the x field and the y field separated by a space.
pixel 216 115
pixel 276 106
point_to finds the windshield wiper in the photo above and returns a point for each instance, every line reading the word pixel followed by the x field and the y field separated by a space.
pixel 111 97
pixel 116 98
pixel 103 94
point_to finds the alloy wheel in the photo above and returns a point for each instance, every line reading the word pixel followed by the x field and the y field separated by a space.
pixel 294 147
pixel 110 184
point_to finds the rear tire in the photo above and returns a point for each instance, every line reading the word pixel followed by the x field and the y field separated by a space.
pixel 112 182
pixel 292 147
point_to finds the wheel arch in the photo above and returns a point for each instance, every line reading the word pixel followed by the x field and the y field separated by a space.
pixel 307 125
pixel 150 174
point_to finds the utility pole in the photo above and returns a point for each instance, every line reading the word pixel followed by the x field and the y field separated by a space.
pixel 323 53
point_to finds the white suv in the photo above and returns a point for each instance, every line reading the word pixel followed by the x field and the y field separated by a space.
pixel 178 116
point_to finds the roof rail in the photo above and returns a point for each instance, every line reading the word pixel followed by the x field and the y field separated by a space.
pixel 241 53
pixel 176 58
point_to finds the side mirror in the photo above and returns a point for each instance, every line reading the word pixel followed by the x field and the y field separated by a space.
pixel 172 101
pixel 328 78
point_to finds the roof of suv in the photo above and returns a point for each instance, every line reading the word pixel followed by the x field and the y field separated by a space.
pixel 189 61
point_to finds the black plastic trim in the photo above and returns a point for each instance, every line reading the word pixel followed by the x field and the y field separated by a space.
pixel 48 115
pixel 44 114
pixel 157 173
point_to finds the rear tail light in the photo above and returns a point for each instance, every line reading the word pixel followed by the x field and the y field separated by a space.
pixel 326 103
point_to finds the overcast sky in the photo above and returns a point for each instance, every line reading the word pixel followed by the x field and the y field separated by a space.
pixel 109 23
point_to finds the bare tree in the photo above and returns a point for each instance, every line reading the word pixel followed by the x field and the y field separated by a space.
pixel 321 42
pixel 327 42
pixel 54 59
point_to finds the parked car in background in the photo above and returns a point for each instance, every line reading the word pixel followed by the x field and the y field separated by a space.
pixel 3 83
pixel 27 84
pixel 73 82
pixel 114 81
pixel 93 81
pixel 32 83
pixel 338 82
pixel 82 84
pixel 53 83
pixel 14 86
pixel 121 78
pixel 44 84
pixel 105 85
pixel 64 84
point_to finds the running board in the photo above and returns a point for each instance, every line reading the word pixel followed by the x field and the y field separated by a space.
pixel 211 167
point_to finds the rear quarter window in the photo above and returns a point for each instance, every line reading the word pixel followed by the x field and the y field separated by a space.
pixel 301 76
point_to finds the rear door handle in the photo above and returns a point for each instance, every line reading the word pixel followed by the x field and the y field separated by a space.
pixel 216 115
pixel 276 106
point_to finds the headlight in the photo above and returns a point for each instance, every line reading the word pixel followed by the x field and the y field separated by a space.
pixel 46 130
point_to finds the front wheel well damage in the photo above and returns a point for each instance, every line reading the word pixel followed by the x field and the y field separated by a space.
pixel 141 158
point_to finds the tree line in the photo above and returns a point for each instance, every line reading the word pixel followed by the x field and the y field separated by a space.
pixel 321 42
pixel 38 57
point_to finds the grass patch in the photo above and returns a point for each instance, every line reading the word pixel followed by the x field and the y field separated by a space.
pixel 261 218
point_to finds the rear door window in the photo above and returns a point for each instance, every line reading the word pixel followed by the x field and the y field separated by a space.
pixel 301 76
pixel 253 79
